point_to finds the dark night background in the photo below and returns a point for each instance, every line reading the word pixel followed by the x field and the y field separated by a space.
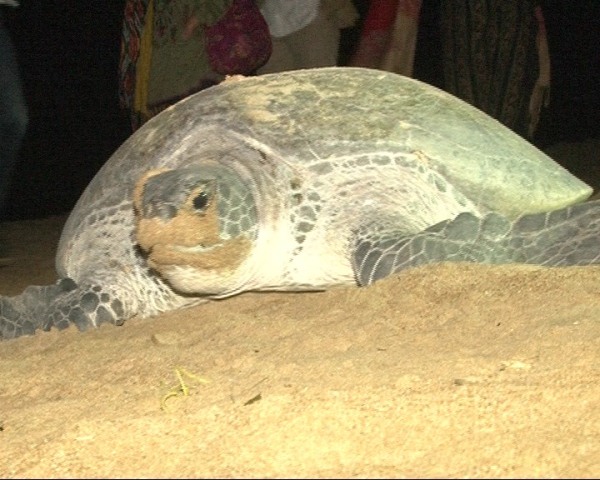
pixel 69 50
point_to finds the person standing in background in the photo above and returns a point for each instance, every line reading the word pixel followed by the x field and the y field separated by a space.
pixel 494 53
pixel 162 54
pixel 496 58
pixel 14 115
pixel 389 36
pixel 173 48
pixel 306 33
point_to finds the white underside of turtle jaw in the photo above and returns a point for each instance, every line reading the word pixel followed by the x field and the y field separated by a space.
pixel 211 283
pixel 219 269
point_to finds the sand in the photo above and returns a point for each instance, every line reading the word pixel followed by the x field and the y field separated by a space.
pixel 448 370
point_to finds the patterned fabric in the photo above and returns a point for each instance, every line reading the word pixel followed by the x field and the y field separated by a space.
pixel 180 65
pixel 173 15
pixel 133 24
pixel 490 56
pixel 495 53
pixel 239 42
pixel 163 56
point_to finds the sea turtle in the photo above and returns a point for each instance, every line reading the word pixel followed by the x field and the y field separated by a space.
pixel 301 181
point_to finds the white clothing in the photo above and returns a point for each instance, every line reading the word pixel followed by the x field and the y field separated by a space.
pixel 288 16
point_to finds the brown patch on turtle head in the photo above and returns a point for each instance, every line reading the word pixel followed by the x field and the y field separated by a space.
pixel 191 238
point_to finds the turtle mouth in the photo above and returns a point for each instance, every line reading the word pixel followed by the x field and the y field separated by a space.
pixel 215 270
pixel 224 257
pixel 196 249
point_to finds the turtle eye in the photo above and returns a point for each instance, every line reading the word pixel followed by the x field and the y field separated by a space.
pixel 200 201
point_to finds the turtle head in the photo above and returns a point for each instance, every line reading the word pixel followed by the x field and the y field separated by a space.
pixel 197 225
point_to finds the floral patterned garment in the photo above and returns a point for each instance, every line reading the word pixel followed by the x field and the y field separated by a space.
pixel 133 24
pixel 491 57
pixel 176 63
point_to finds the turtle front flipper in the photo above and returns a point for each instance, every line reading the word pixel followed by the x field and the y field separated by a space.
pixel 570 236
pixel 59 305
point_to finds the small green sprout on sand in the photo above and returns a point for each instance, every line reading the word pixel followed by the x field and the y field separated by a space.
pixel 181 390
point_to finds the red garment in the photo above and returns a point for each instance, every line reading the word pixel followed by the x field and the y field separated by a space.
pixel 389 25
pixel 239 43
pixel 380 16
